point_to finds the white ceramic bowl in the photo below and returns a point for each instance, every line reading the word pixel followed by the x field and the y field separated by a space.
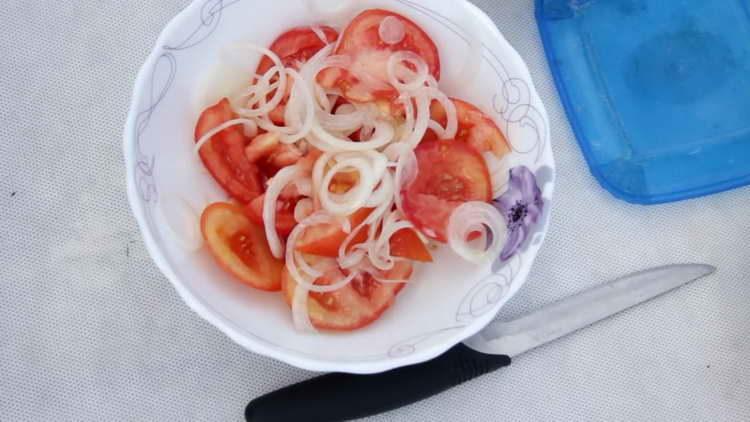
pixel 446 303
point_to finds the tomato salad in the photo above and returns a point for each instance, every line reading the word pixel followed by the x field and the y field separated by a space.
pixel 347 165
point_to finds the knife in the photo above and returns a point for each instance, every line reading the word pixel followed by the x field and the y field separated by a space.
pixel 337 397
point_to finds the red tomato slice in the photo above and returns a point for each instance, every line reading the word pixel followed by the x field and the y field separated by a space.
pixel 361 41
pixel 285 221
pixel 307 162
pixel 240 246
pixel 358 304
pixel 224 155
pixel 474 127
pixel 296 46
pixel 450 173
pixel 326 239
pixel 407 244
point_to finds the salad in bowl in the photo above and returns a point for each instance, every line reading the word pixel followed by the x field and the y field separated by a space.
pixel 347 175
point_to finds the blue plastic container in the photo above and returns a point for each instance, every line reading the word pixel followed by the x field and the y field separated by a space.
pixel 657 91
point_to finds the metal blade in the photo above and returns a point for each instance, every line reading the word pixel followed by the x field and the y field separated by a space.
pixel 573 313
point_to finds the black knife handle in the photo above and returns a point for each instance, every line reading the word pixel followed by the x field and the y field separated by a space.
pixel 339 397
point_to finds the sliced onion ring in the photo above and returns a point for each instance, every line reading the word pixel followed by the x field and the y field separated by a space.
pixel 407 170
pixel 357 196
pixel 303 209
pixel 300 314
pixel 248 126
pixel 422 120
pixel 319 32
pixel 384 134
pixel 391 30
pixel 397 72
pixel 476 216
pixel 284 177
pixel 451 126
pixel 277 69
pixel 300 90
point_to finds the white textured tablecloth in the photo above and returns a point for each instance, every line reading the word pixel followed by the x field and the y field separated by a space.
pixel 91 331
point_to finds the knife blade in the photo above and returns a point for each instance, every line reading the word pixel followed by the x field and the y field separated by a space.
pixel 573 313
pixel 337 397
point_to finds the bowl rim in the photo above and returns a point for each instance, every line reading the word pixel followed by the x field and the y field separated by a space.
pixel 229 328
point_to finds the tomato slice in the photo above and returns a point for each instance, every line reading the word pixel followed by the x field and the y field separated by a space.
pixel 224 155
pixel 326 239
pixel 285 221
pixel 296 46
pixel 307 162
pixel 361 41
pixel 450 173
pixel 474 127
pixel 354 306
pixel 240 246
pixel 406 243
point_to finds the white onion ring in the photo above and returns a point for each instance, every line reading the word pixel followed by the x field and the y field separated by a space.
pixel 476 216
pixel 432 82
pixel 328 288
pixel 346 225
pixel 300 314
pixel 383 193
pixel 311 69
pixel 346 119
pixel 384 133
pixel 422 120
pixel 378 160
pixel 258 94
pixel 357 195
pixel 439 130
pixel 251 94
pixel 303 209
pixel 409 112
pixel 367 131
pixel 379 165
pixel 407 170
pixel 391 30
pixel 293 263
pixel 218 129
pixel 284 177
pixel 305 266
pixel 277 69
pixel 319 32
pixel 300 88
pixel 304 186
pixel 265 123
pixel 379 251
pixel 451 126
pixel 250 130
pixel 291 252
pixel 397 71
pixel 319 170
pixel 351 259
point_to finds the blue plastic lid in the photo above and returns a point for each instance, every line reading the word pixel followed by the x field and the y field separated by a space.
pixel 657 92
